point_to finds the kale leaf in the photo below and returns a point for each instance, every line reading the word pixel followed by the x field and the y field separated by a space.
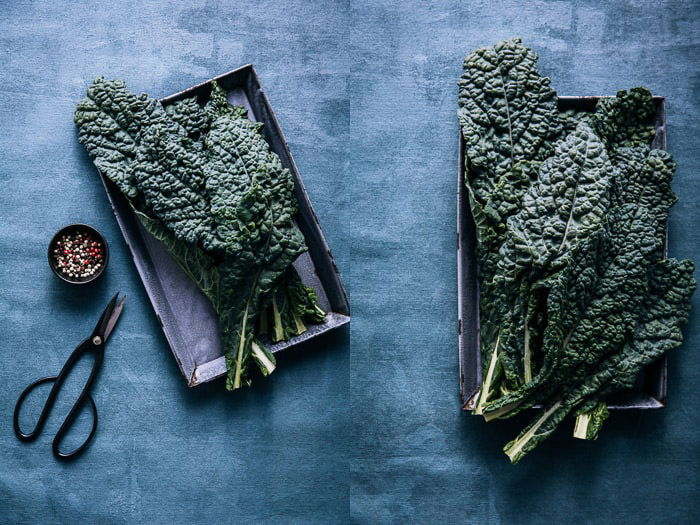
pixel 204 182
pixel 506 135
pixel 508 113
pixel 592 305
pixel 570 209
pixel 666 306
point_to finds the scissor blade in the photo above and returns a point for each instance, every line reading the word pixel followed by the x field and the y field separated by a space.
pixel 116 312
pixel 106 314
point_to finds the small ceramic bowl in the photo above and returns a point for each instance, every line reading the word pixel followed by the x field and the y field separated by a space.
pixel 73 229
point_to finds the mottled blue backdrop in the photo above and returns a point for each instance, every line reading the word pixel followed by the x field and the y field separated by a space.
pixel 365 425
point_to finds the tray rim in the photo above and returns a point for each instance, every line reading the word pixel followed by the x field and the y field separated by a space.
pixel 468 394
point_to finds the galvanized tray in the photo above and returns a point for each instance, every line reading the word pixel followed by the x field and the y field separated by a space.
pixel 185 314
pixel 650 391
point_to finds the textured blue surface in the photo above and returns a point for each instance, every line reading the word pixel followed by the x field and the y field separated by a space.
pixel 163 453
pixel 366 95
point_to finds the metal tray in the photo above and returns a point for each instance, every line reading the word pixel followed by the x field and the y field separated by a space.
pixel 185 314
pixel 650 391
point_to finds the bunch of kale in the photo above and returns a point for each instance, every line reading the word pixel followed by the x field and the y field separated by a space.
pixel 570 208
pixel 203 180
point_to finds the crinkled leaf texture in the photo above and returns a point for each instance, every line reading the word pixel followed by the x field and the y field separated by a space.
pixel 591 305
pixel 204 181
pixel 509 118
pixel 507 111
pixel 666 306
pixel 570 210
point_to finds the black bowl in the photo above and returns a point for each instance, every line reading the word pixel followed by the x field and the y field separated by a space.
pixel 72 229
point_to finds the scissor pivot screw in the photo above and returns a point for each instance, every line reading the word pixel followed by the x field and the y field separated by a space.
pixel 97 340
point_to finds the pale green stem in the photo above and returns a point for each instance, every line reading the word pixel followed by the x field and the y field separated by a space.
pixel 495 414
pixel 517 447
pixel 581 427
pixel 486 385
pixel 241 346
pixel 279 332
pixel 262 358
pixel 301 327
pixel 527 357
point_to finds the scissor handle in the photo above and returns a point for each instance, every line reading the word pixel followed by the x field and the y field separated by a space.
pixel 86 346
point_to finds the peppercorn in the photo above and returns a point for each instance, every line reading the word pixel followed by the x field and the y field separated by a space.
pixel 78 255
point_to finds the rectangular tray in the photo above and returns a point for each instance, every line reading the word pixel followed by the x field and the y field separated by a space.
pixel 185 314
pixel 651 386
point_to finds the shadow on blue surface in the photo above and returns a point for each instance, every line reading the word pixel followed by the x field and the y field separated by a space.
pixel 309 353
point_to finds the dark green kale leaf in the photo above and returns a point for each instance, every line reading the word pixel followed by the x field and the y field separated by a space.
pixel 188 114
pixel 570 118
pixel 204 182
pixel 507 111
pixel 592 305
pixel 504 132
pixel 509 118
pixel 626 120
pixel 504 201
pixel 665 308
pixel 643 177
pixel 566 203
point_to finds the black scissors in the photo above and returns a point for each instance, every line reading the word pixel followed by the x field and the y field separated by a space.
pixel 93 344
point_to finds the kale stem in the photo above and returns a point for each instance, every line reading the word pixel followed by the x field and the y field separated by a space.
pixel 514 451
pixel 581 427
pixel 486 386
pixel 241 346
pixel 279 330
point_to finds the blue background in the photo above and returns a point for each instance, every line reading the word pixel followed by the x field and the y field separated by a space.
pixel 364 425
